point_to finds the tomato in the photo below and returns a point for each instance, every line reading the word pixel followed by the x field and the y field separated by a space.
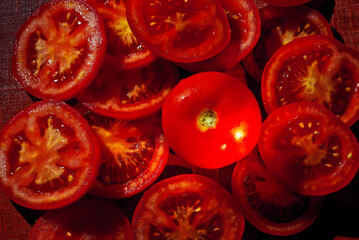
pixel 238 72
pixel 187 206
pixel 49 156
pixel 280 26
pixel 286 3
pixel 123 49
pixel 244 21
pixel 59 49
pixel 211 119
pixel 266 204
pixel 314 68
pixel 133 154
pixel 85 219
pixel 130 94
pixel 308 149
pixel 180 31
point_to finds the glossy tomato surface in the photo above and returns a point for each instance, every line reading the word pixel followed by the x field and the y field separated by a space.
pixel 211 119
pixel 133 154
pixel 286 3
pixel 180 31
pixel 279 26
pixel 130 94
pixel 85 219
pixel 244 21
pixel 49 156
pixel 314 68
pixel 187 206
pixel 59 49
pixel 124 51
pixel 266 204
pixel 308 149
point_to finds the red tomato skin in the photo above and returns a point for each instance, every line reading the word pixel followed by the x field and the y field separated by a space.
pixel 25 76
pixel 237 129
pixel 53 201
pixel 286 3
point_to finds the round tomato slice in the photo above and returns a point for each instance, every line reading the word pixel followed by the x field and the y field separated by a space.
pixel 286 3
pixel 266 204
pixel 314 68
pixel 211 119
pixel 85 219
pixel 130 94
pixel 180 31
pixel 123 49
pixel 244 21
pixel 187 206
pixel 59 49
pixel 308 149
pixel 279 26
pixel 133 154
pixel 49 156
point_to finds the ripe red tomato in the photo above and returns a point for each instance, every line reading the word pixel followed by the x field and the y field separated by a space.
pixel 130 94
pixel 314 68
pixel 308 149
pixel 211 119
pixel 279 26
pixel 49 156
pixel 244 21
pixel 187 206
pixel 85 219
pixel 286 3
pixel 180 31
pixel 124 51
pixel 133 154
pixel 59 49
pixel 266 204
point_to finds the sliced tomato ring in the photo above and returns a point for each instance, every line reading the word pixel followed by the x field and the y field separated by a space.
pixel 180 31
pixel 279 26
pixel 314 68
pixel 286 3
pixel 134 154
pixel 123 49
pixel 266 204
pixel 187 206
pixel 308 149
pixel 85 219
pixel 49 154
pixel 130 94
pixel 59 49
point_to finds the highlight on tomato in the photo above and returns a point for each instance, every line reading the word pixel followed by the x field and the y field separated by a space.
pixel 180 31
pixel 211 119
pixel 307 149
pixel 314 68
pixel 266 204
pixel 187 206
pixel 59 49
pixel 49 155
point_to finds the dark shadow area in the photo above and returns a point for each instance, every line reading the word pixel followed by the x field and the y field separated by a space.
pixel 325 7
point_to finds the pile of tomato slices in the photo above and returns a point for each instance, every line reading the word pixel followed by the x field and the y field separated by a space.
pixel 195 119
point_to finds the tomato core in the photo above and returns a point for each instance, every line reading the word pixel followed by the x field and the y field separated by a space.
pixel 206 120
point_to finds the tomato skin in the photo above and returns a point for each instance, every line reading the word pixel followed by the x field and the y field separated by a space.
pixel 54 58
pixel 286 3
pixel 308 149
pixel 49 154
pixel 211 97
pixel 190 206
pixel 180 31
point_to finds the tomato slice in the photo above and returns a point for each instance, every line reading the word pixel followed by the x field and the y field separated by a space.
pixel 50 156
pixel 314 68
pixel 266 204
pixel 180 31
pixel 59 49
pixel 187 206
pixel 130 94
pixel 308 149
pixel 123 49
pixel 286 3
pixel 279 26
pixel 85 219
pixel 133 154
pixel 244 21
